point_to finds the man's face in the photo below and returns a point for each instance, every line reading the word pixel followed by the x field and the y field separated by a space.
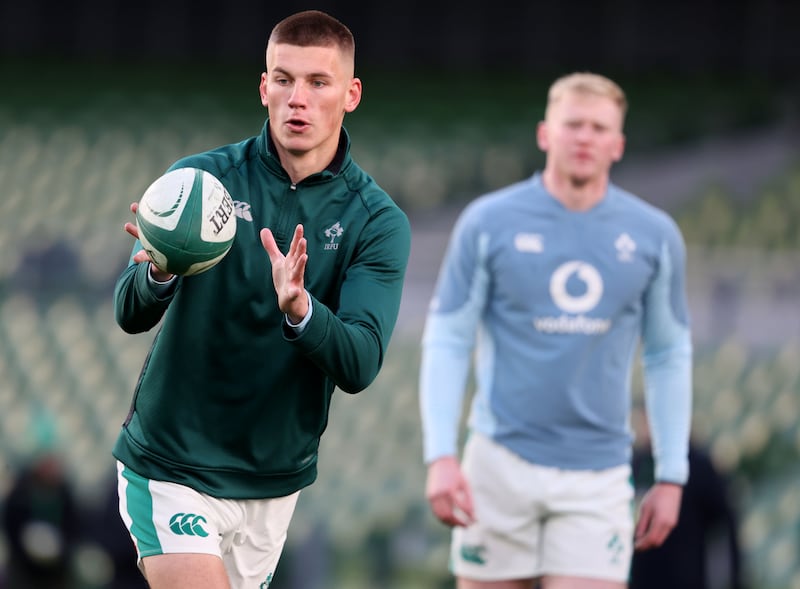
pixel 582 135
pixel 307 91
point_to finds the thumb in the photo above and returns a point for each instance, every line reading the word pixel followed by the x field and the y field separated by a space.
pixel 268 241
pixel 645 520
pixel 463 502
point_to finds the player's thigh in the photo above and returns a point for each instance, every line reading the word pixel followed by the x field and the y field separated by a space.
pixel 589 531
pixel 509 584
pixel 579 583
pixel 185 571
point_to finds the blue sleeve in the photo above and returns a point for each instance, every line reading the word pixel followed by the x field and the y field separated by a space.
pixel 449 339
pixel 667 362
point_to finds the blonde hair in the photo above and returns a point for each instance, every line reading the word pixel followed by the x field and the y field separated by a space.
pixel 585 83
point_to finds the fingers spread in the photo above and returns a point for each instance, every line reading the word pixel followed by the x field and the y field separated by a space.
pixel 132 229
pixel 268 241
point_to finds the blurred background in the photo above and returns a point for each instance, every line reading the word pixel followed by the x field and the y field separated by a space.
pixel 98 98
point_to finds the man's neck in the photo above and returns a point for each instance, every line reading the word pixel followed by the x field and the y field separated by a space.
pixel 301 166
pixel 575 195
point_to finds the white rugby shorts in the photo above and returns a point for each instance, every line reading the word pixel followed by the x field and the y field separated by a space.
pixel 168 518
pixel 534 520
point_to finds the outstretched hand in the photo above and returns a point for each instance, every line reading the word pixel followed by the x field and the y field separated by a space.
pixel 448 492
pixel 141 255
pixel 658 514
pixel 288 273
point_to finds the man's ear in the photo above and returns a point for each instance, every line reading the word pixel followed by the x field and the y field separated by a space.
pixel 353 95
pixel 541 136
pixel 619 150
pixel 262 89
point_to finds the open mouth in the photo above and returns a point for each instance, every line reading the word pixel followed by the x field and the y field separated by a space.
pixel 297 125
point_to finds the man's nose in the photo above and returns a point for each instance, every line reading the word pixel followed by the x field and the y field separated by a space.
pixel 298 95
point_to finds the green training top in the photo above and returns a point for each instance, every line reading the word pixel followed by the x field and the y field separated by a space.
pixel 231 401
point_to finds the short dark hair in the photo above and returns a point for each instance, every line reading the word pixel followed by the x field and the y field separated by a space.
pixel 313 28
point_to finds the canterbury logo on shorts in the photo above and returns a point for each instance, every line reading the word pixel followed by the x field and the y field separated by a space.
pixel 168 518
pixel 188 524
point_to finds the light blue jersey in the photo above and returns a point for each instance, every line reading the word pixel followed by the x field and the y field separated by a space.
pixel 554 304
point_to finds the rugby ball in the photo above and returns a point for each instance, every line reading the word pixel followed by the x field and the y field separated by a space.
pixel 186 221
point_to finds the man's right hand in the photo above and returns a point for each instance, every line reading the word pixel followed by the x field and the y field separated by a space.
pixel 448 492
pixel 141 255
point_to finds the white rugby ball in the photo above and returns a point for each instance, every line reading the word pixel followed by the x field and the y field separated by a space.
pixel 186 221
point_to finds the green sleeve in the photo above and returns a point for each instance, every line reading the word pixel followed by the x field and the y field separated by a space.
pixel 137 305
pixel 349 345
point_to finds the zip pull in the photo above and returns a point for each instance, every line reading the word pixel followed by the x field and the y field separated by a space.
pixel 293 186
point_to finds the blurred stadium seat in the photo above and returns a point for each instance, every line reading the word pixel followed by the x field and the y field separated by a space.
pixel 60 349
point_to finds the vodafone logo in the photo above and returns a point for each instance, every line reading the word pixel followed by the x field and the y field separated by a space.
pixel 573 306
pixel 585 273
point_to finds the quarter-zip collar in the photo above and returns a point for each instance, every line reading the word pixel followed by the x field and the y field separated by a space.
pixel 269 155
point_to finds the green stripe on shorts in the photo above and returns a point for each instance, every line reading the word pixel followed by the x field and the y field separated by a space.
pixel 140 509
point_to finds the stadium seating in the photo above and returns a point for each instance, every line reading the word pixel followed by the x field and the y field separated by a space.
pixel 67 185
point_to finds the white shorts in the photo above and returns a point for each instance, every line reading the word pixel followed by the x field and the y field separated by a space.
pixel 168 518
pixel 534 520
